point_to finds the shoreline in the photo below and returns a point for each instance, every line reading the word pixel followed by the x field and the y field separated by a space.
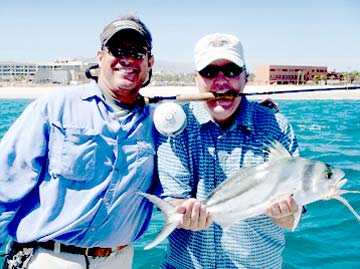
pixel 35 92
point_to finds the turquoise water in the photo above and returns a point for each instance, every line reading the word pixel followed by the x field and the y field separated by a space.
pixel 328 235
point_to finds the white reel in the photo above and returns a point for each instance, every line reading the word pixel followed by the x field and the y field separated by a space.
pixel 169 119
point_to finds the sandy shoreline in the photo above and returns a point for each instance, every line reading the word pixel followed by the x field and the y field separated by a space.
pixel 35 92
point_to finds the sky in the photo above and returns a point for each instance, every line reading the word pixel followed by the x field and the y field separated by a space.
pixel 306 32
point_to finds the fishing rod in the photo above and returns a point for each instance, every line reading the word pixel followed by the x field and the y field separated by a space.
pixel 211 96
pixel 170 119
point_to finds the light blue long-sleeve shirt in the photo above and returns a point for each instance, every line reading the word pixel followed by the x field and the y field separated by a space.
pixel 70 170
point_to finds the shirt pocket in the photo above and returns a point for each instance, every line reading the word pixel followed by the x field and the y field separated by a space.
pixel 73 152
pixel 140 158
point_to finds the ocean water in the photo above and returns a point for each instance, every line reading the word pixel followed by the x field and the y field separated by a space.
pixel 328 235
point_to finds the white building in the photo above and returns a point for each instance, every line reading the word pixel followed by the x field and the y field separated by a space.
pixel 14 70
pixel 59 71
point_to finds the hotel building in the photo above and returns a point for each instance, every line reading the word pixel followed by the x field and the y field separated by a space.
pixel 288 74
pixel 59 71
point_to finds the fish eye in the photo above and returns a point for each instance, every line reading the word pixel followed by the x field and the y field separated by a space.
pixel 328 174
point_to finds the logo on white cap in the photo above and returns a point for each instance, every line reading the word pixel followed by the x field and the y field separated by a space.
pixel 218 46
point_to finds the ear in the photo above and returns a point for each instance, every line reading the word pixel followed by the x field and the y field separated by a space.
pixel 151 61
pixel 196 78
pixel 246 76
pixel 100 56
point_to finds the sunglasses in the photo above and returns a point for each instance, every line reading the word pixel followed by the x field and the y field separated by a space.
pixel 136 53
pixel 229 70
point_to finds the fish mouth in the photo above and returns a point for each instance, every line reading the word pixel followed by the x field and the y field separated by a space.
pixel 339 175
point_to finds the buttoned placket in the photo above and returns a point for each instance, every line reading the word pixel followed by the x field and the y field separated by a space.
pixel 220 176
pixel 116 173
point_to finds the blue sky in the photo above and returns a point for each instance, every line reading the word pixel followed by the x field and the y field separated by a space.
pixel 307 32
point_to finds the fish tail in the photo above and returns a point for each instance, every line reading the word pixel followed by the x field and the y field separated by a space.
pixel 347 204
pixel 171 222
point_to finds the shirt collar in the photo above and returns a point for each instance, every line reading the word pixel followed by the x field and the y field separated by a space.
pixel 93 90
pixel 243 119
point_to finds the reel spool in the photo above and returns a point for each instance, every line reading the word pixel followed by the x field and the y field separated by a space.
pixel 169 119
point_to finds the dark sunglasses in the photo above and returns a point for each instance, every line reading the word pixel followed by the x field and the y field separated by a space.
pixel 136 53
pixel 229 70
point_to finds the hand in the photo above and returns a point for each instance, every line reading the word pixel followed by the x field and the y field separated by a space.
pixel 270 103
pixel 283 208
pixel 195 215
pixel 283 213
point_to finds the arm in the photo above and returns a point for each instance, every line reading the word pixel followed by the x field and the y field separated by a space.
pixel 22 151
pixel 178 185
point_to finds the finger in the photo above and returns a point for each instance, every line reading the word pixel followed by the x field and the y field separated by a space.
pixel 209 220
pixel 274 210
pixel 180 209
pixel 284 209
pixel 202 217
pixel 293 205
pixel 194 221
pixel 186 219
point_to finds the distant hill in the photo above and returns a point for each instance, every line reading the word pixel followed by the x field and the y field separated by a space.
pixel 173 67
pixel 159 66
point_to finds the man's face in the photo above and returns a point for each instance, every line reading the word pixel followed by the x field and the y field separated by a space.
pixel 220 78
pixel 124 66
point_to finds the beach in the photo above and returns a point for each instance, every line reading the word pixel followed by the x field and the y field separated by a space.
pixel 35 92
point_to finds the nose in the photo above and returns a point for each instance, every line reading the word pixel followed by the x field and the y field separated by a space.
pixel 221 78
pixel 126 60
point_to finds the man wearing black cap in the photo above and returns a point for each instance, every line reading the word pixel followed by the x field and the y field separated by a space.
pixel 71 165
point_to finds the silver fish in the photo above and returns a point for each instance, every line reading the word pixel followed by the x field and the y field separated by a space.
pixel 251 190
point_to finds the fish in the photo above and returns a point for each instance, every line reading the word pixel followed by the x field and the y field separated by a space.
pixel 251 190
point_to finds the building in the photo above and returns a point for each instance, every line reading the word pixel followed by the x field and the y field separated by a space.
pixel 58 72
pixel 288 74
pixel 17 71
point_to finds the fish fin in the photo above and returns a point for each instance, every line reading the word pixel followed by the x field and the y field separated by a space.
pixel 277 151
pixel 172 218
pixel 297 218
pixel 347 204
pixel 164 206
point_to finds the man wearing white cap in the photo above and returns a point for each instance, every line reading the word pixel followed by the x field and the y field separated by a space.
pixel 71 165
pixel 220 137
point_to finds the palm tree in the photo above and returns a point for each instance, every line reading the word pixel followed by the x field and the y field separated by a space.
pixel 316 79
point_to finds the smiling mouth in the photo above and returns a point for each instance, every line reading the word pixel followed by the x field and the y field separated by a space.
pixel 126 70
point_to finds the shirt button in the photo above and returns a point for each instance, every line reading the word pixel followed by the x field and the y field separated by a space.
pixel 92 229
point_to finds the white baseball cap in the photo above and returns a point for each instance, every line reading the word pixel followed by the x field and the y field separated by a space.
pixel 216 46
